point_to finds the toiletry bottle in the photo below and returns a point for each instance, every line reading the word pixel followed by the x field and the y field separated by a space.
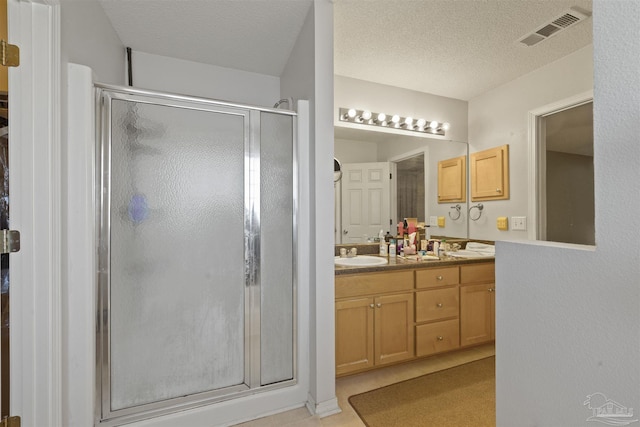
pixel 387 238
pixel 427 232
pixel 436 248
pixel 392 248
pixel 383 244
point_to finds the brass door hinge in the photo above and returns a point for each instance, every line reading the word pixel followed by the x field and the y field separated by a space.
pixel 10 56
pixel 10 422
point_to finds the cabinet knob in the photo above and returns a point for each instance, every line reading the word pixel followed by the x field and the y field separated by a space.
pixel 439 305
pixel 439 277
pixel 440 338
pixel 491 289
pixel 497 190
pixel 378 305
pixel 371 305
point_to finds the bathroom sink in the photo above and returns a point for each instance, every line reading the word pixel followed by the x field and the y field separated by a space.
pixel 360 261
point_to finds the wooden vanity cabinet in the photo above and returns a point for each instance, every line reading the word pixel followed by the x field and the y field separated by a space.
pixel 388 317
pixel 374 320
pixel 477 303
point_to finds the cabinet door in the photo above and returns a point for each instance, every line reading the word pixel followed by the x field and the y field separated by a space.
pixel 477 314
pixel 490 174
pixel 354 335
pixel 452 180
pixel 394 339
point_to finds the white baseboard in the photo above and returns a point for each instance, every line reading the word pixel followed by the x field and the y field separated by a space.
pixel 323 409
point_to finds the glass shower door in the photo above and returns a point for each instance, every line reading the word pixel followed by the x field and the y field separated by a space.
pixel 189 313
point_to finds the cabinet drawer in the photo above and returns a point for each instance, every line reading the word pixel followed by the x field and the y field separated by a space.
pixel 436 304
pixel 478 273
pixel 437 277
pixel 437 337
pixel 373 283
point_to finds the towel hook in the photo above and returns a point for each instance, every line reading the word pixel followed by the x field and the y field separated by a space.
pixel 457 208
pixel 479 206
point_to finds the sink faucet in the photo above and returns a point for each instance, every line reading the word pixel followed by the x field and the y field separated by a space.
pixel 352 253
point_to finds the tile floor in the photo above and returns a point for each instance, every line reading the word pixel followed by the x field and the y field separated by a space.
pixel 360 383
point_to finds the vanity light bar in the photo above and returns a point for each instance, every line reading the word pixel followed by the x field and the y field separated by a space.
pixel 366 117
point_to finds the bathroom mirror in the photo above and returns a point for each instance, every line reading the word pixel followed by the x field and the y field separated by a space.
pixel 364 154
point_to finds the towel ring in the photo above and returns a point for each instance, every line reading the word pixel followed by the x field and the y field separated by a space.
pixel 457 208
pixel 479 206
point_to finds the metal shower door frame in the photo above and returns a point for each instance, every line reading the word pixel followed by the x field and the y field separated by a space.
pixel 105 94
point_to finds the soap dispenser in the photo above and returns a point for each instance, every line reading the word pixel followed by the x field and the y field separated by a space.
pixel 383 244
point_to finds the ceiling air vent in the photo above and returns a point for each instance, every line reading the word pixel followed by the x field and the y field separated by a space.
pixel 567 19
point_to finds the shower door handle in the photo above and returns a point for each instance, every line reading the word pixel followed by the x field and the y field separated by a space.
pixel 10 241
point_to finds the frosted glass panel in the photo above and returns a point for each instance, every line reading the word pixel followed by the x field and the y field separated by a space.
pixel 177 252
pixel 276 247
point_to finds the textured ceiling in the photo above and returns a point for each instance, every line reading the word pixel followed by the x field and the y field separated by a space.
pixel 454 48
pixel 458 49
pixel 250 35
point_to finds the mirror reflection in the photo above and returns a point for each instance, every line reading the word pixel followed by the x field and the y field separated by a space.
pixel 389 177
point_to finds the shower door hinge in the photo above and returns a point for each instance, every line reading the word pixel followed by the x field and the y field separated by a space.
pixel 10 55
pixel 10 240
pixel 10 422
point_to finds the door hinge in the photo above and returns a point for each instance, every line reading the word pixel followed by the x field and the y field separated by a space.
pixel 10 54
pixel 10 422
pixel 390 176
pixel 10 241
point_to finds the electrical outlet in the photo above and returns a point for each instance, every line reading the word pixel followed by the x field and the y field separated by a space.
pixel 433 221
pixel 519 223
pixel 441 221
pixel 502 223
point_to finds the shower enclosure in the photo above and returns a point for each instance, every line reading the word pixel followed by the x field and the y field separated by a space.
pixel 196 252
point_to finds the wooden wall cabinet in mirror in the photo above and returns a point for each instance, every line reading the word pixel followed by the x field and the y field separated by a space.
pixel 490 174
pixel 452 180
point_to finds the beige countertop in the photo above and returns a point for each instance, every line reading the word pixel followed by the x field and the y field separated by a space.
pixel 398 263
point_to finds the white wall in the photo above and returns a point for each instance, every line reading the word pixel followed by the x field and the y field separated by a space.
pixel 567 317
pixel 86 37
pixel 360 94
pixel 500 117
pixel 309 75
pixel 173 75
pixel 348 151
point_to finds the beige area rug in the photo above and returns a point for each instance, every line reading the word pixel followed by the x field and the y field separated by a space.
pixel 456 397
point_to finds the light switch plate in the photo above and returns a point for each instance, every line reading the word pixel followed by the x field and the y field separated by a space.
pixel 433 221
pixel 519 223
pixel 502 223
pixel 440 221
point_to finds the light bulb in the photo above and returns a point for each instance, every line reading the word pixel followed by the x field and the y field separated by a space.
pixel 433 125
pixel 421 123
pixel 408 121
pixel 382 117
pixel 446 126
pixel 351 113
pixel 366 115
pixel 395 119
